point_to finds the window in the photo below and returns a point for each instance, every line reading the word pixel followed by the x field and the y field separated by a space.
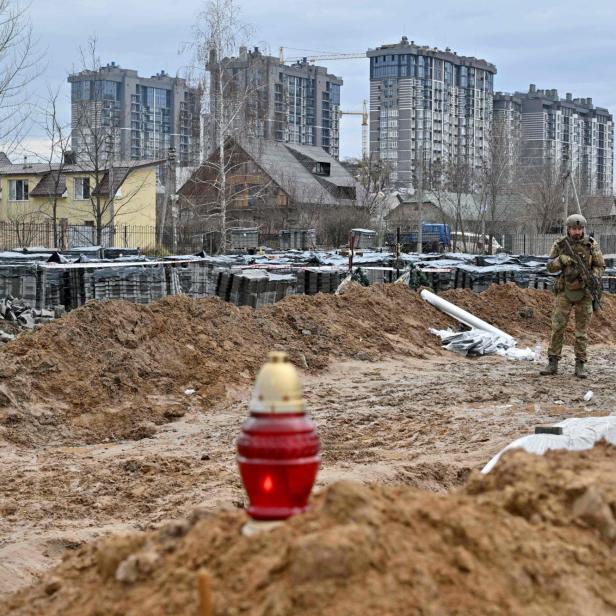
pixel 80 90
pixel 335 93
pixel 18 190
pixel 322 168
pixel 82 189
pixel 253 193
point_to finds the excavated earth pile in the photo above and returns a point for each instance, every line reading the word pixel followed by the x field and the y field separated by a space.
pixel 527 313
pixel 113 370
pixel 89 447
pixel 536 536
pixel 108 367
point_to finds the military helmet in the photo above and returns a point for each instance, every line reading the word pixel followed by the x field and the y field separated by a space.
pixel 577 221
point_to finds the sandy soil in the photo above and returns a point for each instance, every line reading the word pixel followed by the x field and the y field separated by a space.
pixel 535 537
pixel 424 423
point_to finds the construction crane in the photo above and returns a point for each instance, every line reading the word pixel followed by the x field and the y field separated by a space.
pixel 320 58
pixel 364 126
pixel 336 56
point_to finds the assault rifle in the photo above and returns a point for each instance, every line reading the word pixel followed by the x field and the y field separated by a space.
pixel 593 284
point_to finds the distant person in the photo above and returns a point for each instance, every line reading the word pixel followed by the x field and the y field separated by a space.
pixel 572 293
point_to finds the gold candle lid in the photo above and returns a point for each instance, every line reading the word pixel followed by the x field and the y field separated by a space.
pixel 277 388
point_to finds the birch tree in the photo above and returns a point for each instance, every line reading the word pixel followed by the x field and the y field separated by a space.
pixel 218 36
pixel 20 64
pixel 250 195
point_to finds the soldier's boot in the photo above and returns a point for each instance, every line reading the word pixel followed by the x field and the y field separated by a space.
pixel 580 371
pixel 551 368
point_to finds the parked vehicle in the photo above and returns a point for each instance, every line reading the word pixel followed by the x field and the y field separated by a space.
pixel 434 238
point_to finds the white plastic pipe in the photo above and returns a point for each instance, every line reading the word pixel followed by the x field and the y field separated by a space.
pixel 461 315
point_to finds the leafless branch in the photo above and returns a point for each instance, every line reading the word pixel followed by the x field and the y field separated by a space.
pixel 20 64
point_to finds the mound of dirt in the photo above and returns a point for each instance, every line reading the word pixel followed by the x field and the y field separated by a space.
pixel 534 537
pixel 527 313
pixel 113 370
pixel 109 370
pixel 9 327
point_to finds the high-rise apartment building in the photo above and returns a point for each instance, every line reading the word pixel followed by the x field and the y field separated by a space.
pixel 569 134
pixel 297 103
pixel 142 117
pixel 428 104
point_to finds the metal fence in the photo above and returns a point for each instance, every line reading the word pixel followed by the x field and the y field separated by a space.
pixel 607 243
pixel 528 243
pixel 541 243
pixel 23 235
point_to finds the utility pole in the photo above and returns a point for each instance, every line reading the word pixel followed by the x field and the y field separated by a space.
pixel 173 198
pixel 169 191
pixel 110 138
pixel 575 194
pixel 419 174
pixel 174 219
pixel 565 212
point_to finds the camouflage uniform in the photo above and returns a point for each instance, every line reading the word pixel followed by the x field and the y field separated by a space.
pixel 571 294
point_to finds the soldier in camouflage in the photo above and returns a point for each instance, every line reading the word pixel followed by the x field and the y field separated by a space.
pixel 571 293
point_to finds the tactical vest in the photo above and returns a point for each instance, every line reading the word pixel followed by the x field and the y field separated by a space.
pixel 571 282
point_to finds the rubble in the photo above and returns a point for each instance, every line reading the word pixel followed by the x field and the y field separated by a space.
pixel 21 314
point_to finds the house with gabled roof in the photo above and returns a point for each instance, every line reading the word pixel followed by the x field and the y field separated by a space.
pixel 513 212
pixel 28 192
pixel 269 184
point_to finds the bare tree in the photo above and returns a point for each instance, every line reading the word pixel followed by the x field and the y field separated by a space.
pixel 58 136
pixel 498 166
pixel 23 224
pixel 94 140
pixel 336 223
pixel 436 181
pixel 19 65
pixel 373 177
pixel 231 96
pixel 92 137
pixel 459 180
pixel 543 185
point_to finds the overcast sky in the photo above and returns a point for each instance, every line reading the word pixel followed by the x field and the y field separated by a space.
pixel 566 44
